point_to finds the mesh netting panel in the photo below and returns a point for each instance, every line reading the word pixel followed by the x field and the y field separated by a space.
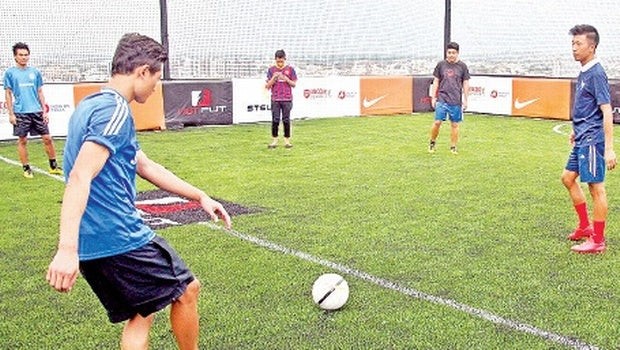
pixel 73 40
pixel 530 37
pixel 226 38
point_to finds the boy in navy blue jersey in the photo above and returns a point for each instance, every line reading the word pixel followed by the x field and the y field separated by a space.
pixel 592 140
pixel 133 272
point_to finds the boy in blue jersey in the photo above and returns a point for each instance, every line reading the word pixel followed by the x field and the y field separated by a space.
pixel 592 140
pixel 133 272
pixel 27 110
pixel 449 93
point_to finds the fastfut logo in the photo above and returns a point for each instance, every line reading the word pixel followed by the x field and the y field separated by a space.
pixel 201 98
pixel 160 209
pixel 201 102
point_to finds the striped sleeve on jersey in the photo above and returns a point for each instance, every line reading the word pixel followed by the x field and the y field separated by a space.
pixel 118 118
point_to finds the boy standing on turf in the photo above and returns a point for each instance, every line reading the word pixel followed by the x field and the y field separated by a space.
pixel 133 272
pixel 592 140
pixel 449 94
pixel 27 110
pixel 281 78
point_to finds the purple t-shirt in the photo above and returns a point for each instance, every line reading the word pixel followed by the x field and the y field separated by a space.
pixel 281 90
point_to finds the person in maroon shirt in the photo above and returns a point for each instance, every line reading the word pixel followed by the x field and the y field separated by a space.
pixel 281 79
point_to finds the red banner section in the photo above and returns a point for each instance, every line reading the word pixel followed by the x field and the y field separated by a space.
pixel 386 95
pixel 193 103
pixel 421 94
pixel 147 116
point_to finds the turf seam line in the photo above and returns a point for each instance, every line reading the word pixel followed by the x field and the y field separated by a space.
pixel 522 327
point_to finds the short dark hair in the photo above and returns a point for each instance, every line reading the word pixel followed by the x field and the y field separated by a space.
pixel 452 45
pixel 590 32
pixel 280 54
pixel 20 46
pixel 134 50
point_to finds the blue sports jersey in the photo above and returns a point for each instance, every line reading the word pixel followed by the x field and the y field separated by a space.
pixel 591 92
pixel 111 224
pixel 25 84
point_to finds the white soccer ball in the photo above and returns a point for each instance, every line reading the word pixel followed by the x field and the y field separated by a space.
pixel 330 291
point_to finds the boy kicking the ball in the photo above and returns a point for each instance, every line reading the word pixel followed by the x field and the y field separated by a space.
pixel 592 140
pixel 133 272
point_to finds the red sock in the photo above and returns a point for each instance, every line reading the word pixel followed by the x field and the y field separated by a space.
pixel 599 231
pixel 582 212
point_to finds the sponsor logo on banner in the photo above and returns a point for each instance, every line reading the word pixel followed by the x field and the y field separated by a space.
pixel 201 98
pixel 58 108
pixel 316 93
pixel 346 94
pixel 476 91
pixel 201 103
pixel 521 105
pixel 386 95
pixel 536 97
pixel 369 103
pixel 258 107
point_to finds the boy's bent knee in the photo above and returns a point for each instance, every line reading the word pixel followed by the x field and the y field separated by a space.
pixel 191 292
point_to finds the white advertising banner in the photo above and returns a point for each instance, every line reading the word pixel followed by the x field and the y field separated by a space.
pixel 491 95
pixel 251 101
pixel 312 98
pixel 59 98
pixel 326 97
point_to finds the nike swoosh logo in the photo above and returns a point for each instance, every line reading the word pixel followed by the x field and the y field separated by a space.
pixel 368 104
pixel 521 105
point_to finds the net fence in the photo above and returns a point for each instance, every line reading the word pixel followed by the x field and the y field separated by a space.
pixel 73 40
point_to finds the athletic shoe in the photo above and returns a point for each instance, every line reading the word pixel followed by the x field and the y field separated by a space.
pixel 589 247
pixel 28 173
pixel 581 233
pixel 288 145
pixel 56 171
pixel 272 146
pixel 453 150
pixel 431 147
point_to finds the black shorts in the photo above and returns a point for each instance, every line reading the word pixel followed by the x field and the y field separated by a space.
pixel 142 281
pixel 30 123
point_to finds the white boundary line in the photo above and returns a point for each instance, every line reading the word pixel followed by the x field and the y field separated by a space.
pixel 34 168
pixel 522 327
pixel 558 127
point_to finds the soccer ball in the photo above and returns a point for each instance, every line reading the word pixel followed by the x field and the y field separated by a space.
pixel 330 291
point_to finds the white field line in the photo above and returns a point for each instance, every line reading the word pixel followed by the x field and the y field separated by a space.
pixel 34 168
pixel 518 326
pixel 512 324
pixel 559 126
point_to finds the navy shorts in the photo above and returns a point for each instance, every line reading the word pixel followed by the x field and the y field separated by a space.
pixel 142 281
pixel 588 162
pixel 30 123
